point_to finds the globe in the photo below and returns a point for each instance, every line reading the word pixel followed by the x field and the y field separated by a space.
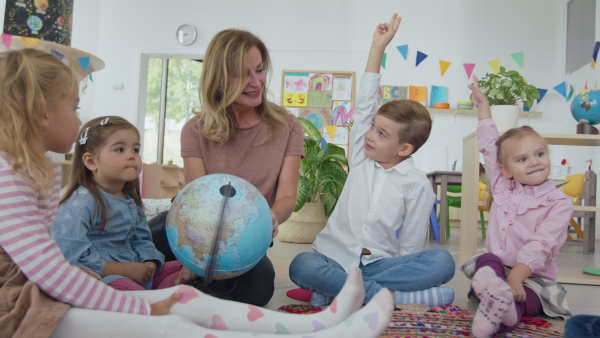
pixel 585 106
pixel 194 218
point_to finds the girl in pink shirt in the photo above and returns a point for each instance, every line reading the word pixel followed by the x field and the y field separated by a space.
pixel 41 294
pixel 527 226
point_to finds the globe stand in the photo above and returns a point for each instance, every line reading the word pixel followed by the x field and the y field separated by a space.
pixel 216 288
pixel 586 128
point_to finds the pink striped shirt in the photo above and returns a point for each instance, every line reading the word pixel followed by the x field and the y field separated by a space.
pixel 26 215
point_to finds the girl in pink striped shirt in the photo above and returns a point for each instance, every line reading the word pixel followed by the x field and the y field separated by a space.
pixel 38 110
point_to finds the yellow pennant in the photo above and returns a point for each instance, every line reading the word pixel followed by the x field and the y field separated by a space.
pixel 30 42
pixel 495 64
pixel 331 131
pixel 593 64
pixel 444 66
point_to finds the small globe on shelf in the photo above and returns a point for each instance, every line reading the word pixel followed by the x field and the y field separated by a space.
pixel 222 209
pixel 585 109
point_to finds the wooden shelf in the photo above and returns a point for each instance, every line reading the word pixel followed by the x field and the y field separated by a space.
pixel 474 111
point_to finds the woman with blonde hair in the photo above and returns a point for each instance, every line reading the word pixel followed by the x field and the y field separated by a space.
pixel 239 132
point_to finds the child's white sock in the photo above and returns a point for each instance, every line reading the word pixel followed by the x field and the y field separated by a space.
pixel 234 316
pixel 436 296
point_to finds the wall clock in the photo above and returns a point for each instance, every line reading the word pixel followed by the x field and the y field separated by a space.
pixel 186 34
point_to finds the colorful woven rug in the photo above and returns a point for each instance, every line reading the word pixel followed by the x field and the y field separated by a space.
pixel 441 322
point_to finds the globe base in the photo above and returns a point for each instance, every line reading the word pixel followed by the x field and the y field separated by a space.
pixel 584 128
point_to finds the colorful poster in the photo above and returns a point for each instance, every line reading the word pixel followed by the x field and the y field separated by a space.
pixel 295 83
pixel 319 98
pixel 418 93
pixel 438 94
pixel 342 88
pixel 341 113
pixel 319 81
pixel 336 135
pixel 295 100
pixel 320 117
pixel 48 20
pixel 391 93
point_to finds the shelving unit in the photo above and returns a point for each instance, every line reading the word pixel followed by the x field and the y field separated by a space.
pixel 474 111
pixel 162 181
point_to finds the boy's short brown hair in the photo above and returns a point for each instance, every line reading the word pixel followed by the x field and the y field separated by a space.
pixel 414 117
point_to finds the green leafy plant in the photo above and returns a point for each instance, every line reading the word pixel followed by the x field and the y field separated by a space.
pixel 507 88
pixel 322 173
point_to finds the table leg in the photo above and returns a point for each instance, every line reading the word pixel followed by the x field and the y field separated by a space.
pixel 443 208
pixel 469 199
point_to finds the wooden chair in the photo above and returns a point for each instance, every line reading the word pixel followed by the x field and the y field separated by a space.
pixel 581 188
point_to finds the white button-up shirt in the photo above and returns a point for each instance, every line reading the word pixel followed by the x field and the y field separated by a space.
pixel 371 211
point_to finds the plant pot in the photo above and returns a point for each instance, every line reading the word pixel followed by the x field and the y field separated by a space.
pixel 505 116
pixel 303 226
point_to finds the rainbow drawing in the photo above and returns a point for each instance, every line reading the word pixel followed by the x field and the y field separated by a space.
pixel 319 81
pixel 339 116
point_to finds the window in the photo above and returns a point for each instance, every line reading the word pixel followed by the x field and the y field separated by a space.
pixel 172 98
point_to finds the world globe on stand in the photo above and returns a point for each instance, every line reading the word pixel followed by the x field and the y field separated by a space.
pixel 585 107
pixel 194 217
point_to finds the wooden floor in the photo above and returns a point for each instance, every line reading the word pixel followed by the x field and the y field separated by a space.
pixel 582 299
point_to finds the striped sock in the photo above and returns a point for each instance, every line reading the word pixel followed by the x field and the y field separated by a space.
pixel 435 296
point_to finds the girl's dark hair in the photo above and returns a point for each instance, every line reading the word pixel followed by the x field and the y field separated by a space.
pixel 97 135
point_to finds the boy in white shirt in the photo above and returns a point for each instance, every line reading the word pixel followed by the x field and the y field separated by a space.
pixel 380 221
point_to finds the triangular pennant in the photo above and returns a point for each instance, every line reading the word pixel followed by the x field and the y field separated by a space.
pixel 350 113
pixel 595 54
pixel 84 87
pixel 323 142
pixel 331 131
pixel 29 42
pixel 495 65
pixel 444 66
pixel 542 92
pixel 585 87
pixel 420 57
pixel 6 40
pixel 403 50
pixel 593 64
pixel 570 93
pixel 57 54
pixel 469 69
pixel 90 76
pixel 84 62
pixel 383 60
pixel 562 89
pixel 518 57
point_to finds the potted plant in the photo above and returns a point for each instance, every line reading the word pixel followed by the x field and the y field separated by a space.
pixel 322 178
pixel 503 91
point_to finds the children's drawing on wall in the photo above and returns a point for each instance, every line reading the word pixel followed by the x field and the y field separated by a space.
pixel 391 93
pixel 341 113
pixel 337 135
pixel 320 117
pixel 320 81
pixel 342 87
pixel 40 19
pixel 295 100
pixel 293 111
pixel 295 83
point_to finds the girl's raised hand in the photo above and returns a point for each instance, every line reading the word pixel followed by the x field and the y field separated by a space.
pixel 385 31
pixel 477 97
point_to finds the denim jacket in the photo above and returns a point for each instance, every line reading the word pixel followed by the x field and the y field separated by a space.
pixel 125 238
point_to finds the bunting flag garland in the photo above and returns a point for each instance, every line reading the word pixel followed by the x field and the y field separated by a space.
pixel 84 62
pixel 444 66
pixel 323 142
pixel 29 42
pixel 91 78
pixel 383 60
pixel 469 69
pixel 518 57
pixel 57 54
pixel 585 87
pixel 495 65
pixel 596 48
pixel 403 50
pixel 331 131
pixel 420 57
pixel 6 40
pixel 570 93
pixel 542 92
pixel 562 89
pixel 593 64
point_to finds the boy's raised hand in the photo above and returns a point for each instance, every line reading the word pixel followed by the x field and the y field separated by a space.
pixel 479 100
pixel 385 31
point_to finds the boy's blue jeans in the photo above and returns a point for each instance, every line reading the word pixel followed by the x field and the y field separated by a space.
pixel 582 326
pixel 419 271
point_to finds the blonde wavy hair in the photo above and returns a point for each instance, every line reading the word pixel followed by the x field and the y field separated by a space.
pixel 225 62
pixel 32 82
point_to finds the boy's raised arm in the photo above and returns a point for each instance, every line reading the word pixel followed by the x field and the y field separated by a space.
pixel 381 38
